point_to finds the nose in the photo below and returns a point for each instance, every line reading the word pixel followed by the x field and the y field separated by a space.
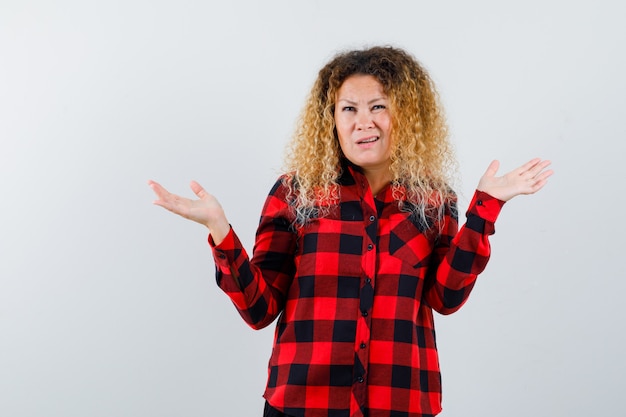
pixel 364 120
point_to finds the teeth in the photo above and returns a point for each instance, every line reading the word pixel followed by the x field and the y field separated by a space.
pixel 369 140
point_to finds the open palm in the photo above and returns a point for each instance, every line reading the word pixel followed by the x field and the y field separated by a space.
pixel 205 210
pixel 526 179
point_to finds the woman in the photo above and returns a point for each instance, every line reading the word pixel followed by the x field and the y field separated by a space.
pixel 358 243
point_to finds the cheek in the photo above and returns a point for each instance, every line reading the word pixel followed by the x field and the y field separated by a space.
pixel 341 129
pixel 385 123
pixel 342 144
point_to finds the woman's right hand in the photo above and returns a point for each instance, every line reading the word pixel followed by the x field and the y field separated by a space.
pixel 206 210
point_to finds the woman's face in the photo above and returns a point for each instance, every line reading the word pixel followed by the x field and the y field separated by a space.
pixel 364 124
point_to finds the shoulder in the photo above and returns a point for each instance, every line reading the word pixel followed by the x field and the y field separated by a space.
pixel 280 200
pixel 285 187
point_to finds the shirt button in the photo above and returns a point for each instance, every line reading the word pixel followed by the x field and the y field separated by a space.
pixel 372 218
pixel 363 346
pixel 368 280
pixel 364 313
pixel 360 379
pixel 479 202
pixel 370 247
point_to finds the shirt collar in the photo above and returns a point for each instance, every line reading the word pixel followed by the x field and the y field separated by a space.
pixel 353 175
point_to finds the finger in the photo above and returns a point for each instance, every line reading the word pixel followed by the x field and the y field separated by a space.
pixel 158 189
pixel 492 169
pixel 175 204
pixel 153 184
pixel 543 176
pixel 537 186
pixel 538 182
pixel 527 167
pixel 167 200
pixel 539 167
pixel 542 165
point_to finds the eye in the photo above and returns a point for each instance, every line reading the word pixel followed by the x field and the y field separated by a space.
pixel 348 108
pixel 378 107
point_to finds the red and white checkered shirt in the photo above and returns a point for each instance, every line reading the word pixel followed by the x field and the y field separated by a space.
pixel 355 291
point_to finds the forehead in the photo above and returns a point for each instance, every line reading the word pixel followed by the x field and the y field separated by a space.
pixel 360 85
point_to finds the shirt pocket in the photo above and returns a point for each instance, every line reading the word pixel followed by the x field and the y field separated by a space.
pixel 410 244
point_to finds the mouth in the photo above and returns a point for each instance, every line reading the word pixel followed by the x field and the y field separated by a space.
pixel 364 141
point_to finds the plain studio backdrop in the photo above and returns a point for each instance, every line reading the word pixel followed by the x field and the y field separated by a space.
pixel 108 304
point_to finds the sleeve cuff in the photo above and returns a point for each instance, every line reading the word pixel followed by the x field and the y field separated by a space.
pixel 485 206
pixel 224 253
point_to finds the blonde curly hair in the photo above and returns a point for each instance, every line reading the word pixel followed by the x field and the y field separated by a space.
pixel 422 159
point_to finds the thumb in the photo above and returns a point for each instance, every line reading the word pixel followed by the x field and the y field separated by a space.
pixel 197 189
pixel 492 169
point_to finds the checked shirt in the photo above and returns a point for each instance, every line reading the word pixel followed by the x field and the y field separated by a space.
pixel 355 292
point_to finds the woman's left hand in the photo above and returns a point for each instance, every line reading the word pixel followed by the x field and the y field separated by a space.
pixel 527 179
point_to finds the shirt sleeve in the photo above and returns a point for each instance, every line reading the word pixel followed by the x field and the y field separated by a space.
pixel 458 257
pixel 258 286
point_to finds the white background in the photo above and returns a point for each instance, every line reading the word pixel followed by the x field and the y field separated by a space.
pixel 108 305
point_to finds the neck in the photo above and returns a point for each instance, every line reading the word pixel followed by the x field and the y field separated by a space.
pixel 378 181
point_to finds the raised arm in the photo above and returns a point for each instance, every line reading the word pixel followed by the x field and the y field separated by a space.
pixel 206 210
pixel 258 286
pixel 460 256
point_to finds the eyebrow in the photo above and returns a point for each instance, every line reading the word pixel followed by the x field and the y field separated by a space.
pixel 355 103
